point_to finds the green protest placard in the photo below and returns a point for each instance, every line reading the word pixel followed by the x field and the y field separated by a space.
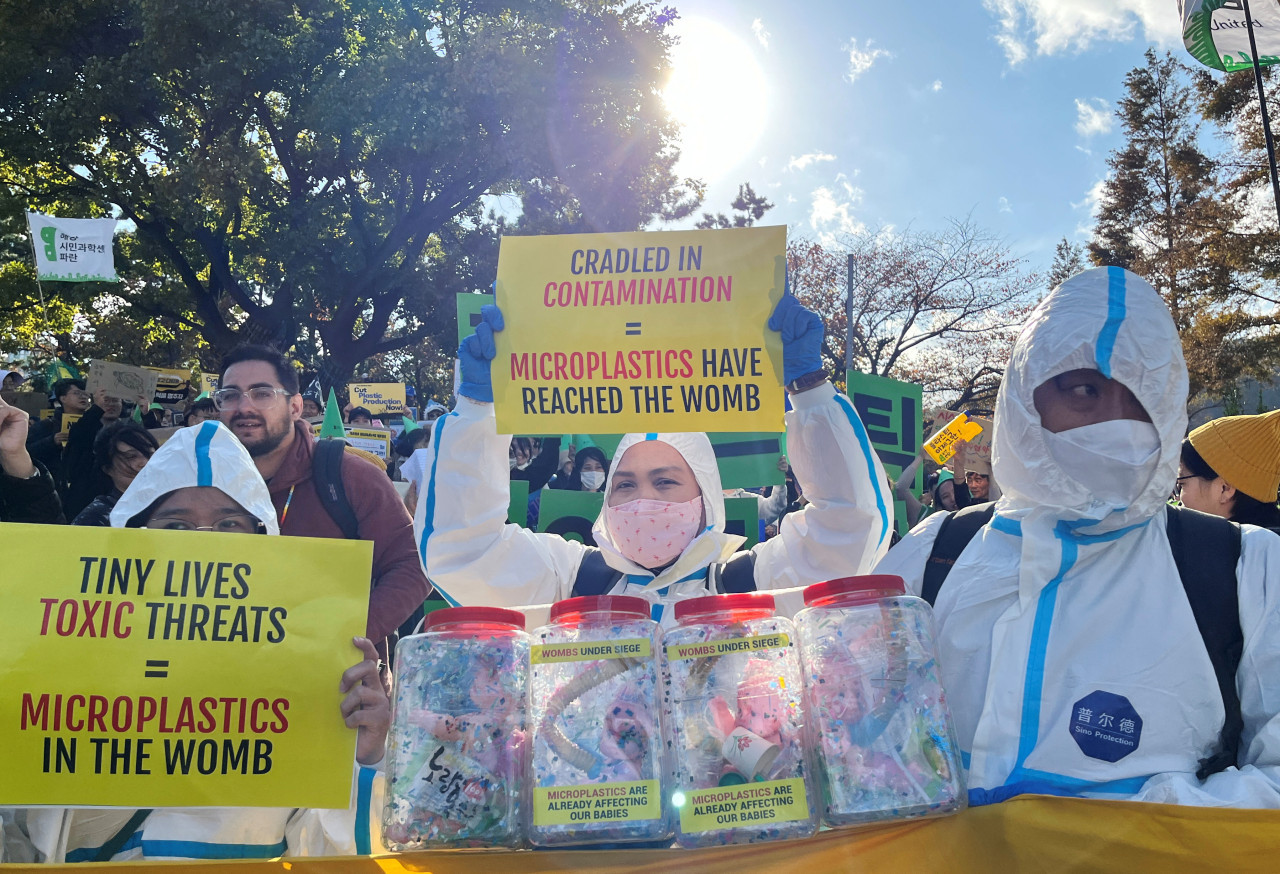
pixel 891 411
pixel 742 517
pixel 570 514
pixel 469 313
pixel 518 509
pixel 748 461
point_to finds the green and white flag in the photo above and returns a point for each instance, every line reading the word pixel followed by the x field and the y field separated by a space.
pixel 1216 34
pixel 73 250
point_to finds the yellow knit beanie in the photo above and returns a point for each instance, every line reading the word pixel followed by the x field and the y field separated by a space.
pixel 1244 451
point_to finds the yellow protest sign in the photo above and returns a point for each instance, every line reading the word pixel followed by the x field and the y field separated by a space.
pixel 177 668
pixel 378 397
pixel 647 331
pixel 209 382
pixel 69 419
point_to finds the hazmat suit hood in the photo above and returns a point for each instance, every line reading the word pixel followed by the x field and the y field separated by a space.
pixel 1105 319
pixel 206 455
pixel 711 545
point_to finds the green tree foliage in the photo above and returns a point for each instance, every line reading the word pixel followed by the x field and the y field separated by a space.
pixel 748 208
pixel 1166 214
pixel 324 166
pixel 1068 260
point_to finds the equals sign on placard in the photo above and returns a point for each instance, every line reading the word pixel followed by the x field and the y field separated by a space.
pixel 633 329
pixel 157 668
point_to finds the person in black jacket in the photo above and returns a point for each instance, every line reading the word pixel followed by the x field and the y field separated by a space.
pixel 120 451
pixel 27 492
pixel 45 438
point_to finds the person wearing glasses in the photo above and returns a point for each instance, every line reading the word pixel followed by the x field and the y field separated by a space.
pixel 120 451
pixel 47 438
pixel 202 479
pixel 259 401
pixel 1230 467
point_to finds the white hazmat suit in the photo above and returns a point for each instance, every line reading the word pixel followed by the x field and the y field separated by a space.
pixel 1071 657
pixel 473 556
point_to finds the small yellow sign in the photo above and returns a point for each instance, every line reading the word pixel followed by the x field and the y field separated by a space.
pixel 600 802
pixel 645 331
pixel 750 805
pixel 728 646
pixel 630 648
pixel 378 397
pixel 69 419
pixel 176 668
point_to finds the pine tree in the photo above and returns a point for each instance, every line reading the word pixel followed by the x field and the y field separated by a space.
pixel 1068 260
pixel 1165 213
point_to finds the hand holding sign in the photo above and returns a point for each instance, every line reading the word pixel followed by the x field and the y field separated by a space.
pixel 475 356
pixel 366 707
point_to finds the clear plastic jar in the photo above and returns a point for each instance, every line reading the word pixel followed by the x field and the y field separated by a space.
pixel 883 742
pixel 597 753
pixel 736 723
pixel 456 750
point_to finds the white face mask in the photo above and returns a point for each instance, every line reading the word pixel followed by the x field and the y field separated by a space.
pixel 593 479
pixel 1114 460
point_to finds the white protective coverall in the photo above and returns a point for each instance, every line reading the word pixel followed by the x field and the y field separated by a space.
pixel 473 557
pixel 207 455
pixel 1070 655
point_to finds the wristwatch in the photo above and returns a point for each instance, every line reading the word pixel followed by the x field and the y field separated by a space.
pixel 813 379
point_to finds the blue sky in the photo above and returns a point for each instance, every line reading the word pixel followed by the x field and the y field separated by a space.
pixel 896 114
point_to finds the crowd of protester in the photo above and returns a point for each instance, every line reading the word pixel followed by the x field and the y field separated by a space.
pixel 1072 570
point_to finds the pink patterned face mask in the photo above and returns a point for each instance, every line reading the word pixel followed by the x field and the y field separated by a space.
pixel 653 533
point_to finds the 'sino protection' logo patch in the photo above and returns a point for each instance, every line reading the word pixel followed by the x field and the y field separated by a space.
pixel 1105 726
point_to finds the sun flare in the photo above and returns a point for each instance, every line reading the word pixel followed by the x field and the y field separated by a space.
pixel 718 95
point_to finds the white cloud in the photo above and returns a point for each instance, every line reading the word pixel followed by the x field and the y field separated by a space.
pixel 1088 152
pixel 936 86
pixel 1089 203
pixel 1056 26
pixel 831 216
pixel 1093 117
pixel 1003 203
pixel 757 27
pixel 805 160
pixel 861 59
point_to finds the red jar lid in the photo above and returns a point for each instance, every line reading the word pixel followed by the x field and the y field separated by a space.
pixel 621 605
pixel 854 590
pixel 480 615
pixel 713 604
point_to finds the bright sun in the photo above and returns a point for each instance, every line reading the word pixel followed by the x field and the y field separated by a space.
pixel 717 93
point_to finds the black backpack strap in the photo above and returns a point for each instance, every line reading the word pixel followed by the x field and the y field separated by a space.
pixel 1206 550
pixel 326 471
pixel 594 577
pixel 120 838
pixel 738 574
pixel 953 536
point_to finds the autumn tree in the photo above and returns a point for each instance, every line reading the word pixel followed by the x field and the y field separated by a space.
pixel 336 166
pixel 1167 215
pixel 935 307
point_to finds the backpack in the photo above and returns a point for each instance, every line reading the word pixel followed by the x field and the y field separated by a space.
pixel 326 472
pixel 1205 549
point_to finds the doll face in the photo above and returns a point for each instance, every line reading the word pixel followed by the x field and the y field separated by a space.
pixel 627 726
pixel 760 711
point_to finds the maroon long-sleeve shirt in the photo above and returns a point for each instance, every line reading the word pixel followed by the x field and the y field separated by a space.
pixel 398 586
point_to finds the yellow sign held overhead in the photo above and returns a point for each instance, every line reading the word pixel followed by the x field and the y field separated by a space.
pixel 646 331
pixel 378 397
pixel 214 677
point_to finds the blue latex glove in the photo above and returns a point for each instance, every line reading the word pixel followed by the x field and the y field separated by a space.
pixel 801 331
pixel 476 353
